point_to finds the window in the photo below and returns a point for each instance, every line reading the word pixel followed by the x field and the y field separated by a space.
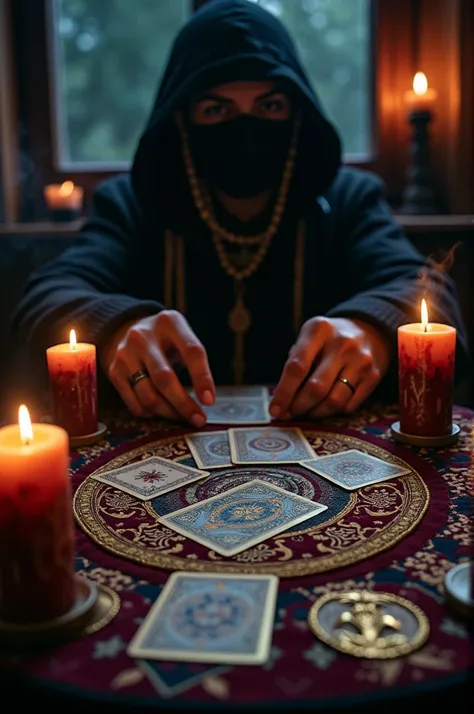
pixel 107 58
pixel 334 42
pixel 112 52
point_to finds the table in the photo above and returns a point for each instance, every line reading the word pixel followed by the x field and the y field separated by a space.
pixel 401 537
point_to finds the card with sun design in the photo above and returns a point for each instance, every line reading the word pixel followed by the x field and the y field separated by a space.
pixel 150 478
pixel 242 516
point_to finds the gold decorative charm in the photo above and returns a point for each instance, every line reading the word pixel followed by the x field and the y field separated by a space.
pixel 240 318
pixel 369 624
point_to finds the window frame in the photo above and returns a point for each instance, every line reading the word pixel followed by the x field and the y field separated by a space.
pixel 395 33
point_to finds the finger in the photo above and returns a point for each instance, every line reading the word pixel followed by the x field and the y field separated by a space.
pixel 118 377
pixel 164 381
pixel 143 400
pixel 195 359
pixel 363 391
pixel 340 394
pixel 131 400
pixel 360 373
pixel 319 385
pixel 160 406
pixel 302 355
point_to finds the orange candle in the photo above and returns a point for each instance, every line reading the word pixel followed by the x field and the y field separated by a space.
pixel 73 380
pixel 64 197
pixel 426 353
pixel 36 522
pixel 421 98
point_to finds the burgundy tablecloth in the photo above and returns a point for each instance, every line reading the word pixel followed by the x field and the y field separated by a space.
pixel 302 671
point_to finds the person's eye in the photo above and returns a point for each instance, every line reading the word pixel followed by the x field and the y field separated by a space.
pixel 274 105
pixel 213 110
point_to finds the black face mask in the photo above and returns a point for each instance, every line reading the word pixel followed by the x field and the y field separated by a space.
pixel 242 156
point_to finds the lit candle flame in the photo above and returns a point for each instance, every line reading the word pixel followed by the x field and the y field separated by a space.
pixel 66 188
pixel 24 421
pixel 420 83
pixel 72 340
pixel 424 315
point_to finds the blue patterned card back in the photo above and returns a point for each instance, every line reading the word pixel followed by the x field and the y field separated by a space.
pixel 210 618
pixel 242 516
pixel 354 469
pixel 271 445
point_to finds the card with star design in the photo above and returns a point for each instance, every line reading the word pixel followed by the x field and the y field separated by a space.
pixel 150 477
pixel 213 618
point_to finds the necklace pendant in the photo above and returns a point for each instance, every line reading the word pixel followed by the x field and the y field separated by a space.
pixel 240 318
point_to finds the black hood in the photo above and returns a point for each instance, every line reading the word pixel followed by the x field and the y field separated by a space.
pixel 226 41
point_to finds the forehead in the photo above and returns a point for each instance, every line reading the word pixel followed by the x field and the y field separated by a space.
pixel 232 90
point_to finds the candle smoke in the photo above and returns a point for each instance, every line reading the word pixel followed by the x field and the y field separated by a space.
pixel 431 276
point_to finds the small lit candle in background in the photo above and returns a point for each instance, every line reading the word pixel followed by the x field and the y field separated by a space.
pixel 36 522
pixel 426 353
pixel 421 98
pixel 73 381
pixel 419 196
pixel 64 201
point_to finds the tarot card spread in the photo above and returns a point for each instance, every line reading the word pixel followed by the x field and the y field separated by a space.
pixel 273 445
pixel 241 517
pixel 354 469
pixel 210 618
pixel 151 477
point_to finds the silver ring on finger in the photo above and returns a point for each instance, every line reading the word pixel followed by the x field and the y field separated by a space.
pixel 138 376
pixel 347 383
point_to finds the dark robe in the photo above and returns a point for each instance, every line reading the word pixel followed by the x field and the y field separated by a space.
pixel 355 261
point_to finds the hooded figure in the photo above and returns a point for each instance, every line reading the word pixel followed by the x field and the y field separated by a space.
pixel 237 215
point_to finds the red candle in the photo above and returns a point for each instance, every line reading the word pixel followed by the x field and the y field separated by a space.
pixel 73 380
pixel 426 354
pixel 36 522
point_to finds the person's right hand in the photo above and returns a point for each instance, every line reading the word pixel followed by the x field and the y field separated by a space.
pixel 150 343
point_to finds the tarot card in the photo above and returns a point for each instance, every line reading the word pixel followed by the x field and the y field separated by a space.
pixel 151 477
pixel 210 618
pixel 210 450
pixel 245 391
pixel 275 445
pixel 244 410
pixel 241 517
pixel 353 469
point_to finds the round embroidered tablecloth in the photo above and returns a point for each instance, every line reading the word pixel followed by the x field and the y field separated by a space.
pixel 400 536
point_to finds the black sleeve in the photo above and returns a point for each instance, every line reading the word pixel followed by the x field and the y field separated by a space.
pixel 386 275
pixel 91 286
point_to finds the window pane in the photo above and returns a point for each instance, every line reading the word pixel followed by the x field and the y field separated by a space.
pixel 109 54
pixel 334 43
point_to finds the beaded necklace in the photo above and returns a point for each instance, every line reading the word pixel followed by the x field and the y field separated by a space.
pixel 239 318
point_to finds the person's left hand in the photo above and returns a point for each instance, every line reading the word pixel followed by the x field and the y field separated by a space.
pixel 327 352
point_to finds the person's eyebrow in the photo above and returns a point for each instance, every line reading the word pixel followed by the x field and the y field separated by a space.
pixel 277 90
pixel 209 97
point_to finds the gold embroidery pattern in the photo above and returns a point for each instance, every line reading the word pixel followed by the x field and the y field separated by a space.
pixel 107 517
